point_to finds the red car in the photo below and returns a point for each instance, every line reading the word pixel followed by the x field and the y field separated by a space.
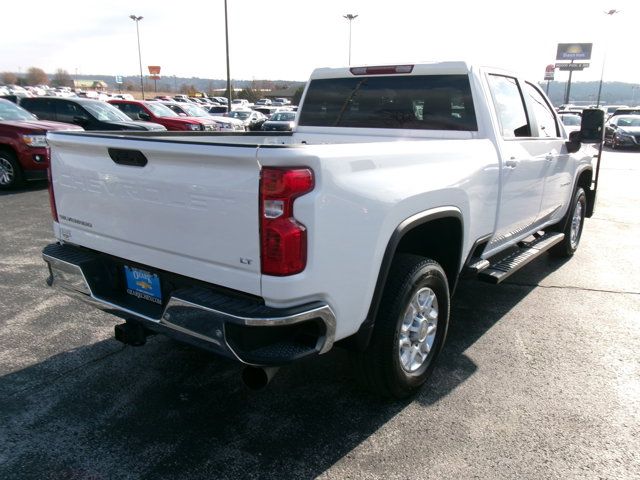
pixel 158 113
pixel 23 145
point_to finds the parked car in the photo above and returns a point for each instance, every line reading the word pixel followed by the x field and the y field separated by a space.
pixel 87 113
pixel 217 109
pixel 625 111
pixel 193 111
pixel 122 96
pixel 23 145
pixel 281 101
pixel 622 131
pixel 158 112
pixel 280 122
pixel 240 103
pixel 263 101
pixel 252 120
pixel 610 109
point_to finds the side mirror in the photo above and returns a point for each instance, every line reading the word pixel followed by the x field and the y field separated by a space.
pixel 144 116
pixel 592 127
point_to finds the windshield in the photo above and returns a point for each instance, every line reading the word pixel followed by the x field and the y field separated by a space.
pixel 630 121
pixel 283 117
pixel 105 112
pixel 571 120
pixel 240 115
pixel 160 110
pixel 11 111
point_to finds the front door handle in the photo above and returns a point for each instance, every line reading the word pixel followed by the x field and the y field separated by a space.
pixel 511 163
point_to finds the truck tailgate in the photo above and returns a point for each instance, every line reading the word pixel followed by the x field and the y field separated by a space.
pixel 192 209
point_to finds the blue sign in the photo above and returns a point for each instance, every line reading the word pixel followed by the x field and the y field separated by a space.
pixel 574 51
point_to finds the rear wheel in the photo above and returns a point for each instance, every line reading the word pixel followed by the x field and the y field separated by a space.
pixel 410 328
pixel 10 171
pixel 574 222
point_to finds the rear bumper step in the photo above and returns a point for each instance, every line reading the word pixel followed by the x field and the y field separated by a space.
pixel 526 252
pixel 234 326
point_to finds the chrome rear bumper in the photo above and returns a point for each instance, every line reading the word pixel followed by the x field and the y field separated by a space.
pixel 234 326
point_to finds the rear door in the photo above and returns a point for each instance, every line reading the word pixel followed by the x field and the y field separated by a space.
pixel 552 152
pixel 192 209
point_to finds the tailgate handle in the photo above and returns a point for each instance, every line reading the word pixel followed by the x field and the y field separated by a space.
pixel 133 158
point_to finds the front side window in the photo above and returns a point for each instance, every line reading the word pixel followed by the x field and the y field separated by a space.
pixel 547 126
pixel 423 102
pixel 69 112
pixel 509 106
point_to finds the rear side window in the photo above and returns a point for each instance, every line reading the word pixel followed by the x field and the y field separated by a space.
pixel 425 102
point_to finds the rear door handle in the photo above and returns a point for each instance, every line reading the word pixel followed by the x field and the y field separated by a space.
pixel 549 157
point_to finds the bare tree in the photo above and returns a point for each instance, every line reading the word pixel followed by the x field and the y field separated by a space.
pixel 8 78
pixel 62 79
pixel 36 76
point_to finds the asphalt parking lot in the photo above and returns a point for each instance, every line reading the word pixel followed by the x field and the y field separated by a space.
pixel 540 378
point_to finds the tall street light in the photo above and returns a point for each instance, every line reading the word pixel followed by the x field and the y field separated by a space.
pixel 226 36
pixel 351 18
pixel 137 19
pixel 611 13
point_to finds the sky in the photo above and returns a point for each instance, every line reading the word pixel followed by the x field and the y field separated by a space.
pixel 287 39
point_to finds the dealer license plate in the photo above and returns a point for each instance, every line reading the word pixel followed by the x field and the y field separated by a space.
pixel 143 284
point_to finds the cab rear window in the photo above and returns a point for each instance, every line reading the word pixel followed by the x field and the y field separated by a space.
pixel 422 102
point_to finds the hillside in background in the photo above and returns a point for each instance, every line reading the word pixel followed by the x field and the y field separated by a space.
pixel 613 93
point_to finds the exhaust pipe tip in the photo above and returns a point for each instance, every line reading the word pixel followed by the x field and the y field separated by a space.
pixel 257 378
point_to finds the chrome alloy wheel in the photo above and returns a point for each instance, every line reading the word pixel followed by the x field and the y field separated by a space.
pixel 418 330
pixel 6 172
pixel 576 224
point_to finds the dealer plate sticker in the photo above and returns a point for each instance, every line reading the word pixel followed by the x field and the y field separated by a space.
pixel 143 284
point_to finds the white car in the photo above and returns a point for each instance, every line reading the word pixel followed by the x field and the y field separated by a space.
pixel 229 124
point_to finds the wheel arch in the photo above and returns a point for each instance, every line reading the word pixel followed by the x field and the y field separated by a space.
pixel 414 235
pixel 584 179
pixel 5 147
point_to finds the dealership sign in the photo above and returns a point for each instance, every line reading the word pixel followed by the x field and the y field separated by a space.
pixel 574 51
pixel 565 67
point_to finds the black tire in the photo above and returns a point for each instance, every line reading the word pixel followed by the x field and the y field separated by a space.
pixel 570 244
pixel 380 367
pixel 10 171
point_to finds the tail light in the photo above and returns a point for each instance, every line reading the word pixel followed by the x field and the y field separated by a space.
pixel 283 239
pixel 52 197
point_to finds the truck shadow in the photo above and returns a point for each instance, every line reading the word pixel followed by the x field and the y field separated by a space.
pixel 29 187
pixel 170 411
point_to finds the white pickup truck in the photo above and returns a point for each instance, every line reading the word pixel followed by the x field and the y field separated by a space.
pixel 354 228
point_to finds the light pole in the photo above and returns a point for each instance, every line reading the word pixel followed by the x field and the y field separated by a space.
pixel 611 13
pixel 137 19
pixel 226 36
pixel 351 18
